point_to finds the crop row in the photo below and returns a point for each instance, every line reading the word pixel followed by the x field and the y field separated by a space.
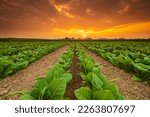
pixel 14 57
pixel 53 87
pixel 95 85
pixel 132 57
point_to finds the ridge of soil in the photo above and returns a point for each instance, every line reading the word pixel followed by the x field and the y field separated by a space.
pixel 133 90
pixel 24 79
pixel 76 81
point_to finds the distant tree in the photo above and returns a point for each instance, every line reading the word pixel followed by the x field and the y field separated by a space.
pixel 66 38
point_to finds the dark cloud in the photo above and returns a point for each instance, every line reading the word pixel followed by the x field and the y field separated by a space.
pixel 63 1
pixel 25 15
pixel 119 10
pixel 44 15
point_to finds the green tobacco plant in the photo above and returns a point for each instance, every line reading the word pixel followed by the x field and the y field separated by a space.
pixel 126 55
pixel 19 55
pixel 95 85
pixel 143 72
pixel 52 87
pixel 58 72
pixel 6 67
pixel 43 90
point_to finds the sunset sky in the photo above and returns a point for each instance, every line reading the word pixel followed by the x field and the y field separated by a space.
pixel 75 18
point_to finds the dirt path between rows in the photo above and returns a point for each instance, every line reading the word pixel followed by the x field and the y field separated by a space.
pixel 24 79
pixel 133 90
pixel 76 81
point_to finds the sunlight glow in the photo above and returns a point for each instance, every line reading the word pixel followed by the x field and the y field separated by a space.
pixel 84 35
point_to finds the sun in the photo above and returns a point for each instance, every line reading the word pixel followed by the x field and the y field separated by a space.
pixel 84 35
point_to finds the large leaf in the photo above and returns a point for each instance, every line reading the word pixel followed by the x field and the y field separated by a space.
pixel 143 66
pixel 49 76
pixel 55 72
pixel 9 69
pixel 143 71
pixel 96 70
pixel 146 61
pixel 113 88
pixel 82 75
pixel 67 77
pixel 27 96
pixel 57 88
pixel 5 62
pixel 103 95
pixel 84 93
pixel 89 66
pixel 22 64
pixel 94 82
pixel 39 86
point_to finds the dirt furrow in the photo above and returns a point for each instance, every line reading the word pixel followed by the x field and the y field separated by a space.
pixel 24 79
pixel 133 90
pixel 76 81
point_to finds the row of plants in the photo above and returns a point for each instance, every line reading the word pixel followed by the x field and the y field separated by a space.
pixel 13 48
pixel 131 57
pixel 95 85
pixel 53 86
pixel 24 55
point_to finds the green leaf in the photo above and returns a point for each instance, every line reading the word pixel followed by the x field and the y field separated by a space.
pixel 84 93
pixel 39 87
pixel 96 70
pixel 82 75
pixel 134 78
pixel 67 77
pixel 88 77
pixel 143 71
pixel 112 87
pixel 103 95
pixel 94 82
pixel 57 88
pixel 120 97
pixel 22 64
pixel 49 76
pixel 89 66
pixel 56 74
pixel 146 61
pixel 140 65
pixel 5 63
pixel 9 69
pixel 27 96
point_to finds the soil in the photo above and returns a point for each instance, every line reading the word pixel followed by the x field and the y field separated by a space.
pixel 76 82
pixel 24 79
pixel 133 90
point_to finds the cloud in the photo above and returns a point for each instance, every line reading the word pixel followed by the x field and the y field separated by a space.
pixel 63 9
pixel 43 16
pixel 124 9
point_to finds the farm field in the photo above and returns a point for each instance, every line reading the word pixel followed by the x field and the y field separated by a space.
pixel 75 70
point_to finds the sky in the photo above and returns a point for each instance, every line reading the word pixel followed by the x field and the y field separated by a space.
pixel 75 18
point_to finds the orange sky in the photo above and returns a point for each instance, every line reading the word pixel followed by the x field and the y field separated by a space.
pixel 75 18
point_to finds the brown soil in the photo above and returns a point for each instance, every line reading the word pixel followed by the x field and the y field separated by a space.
pixel 76 82
pixel 24 79
pixel 133 90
